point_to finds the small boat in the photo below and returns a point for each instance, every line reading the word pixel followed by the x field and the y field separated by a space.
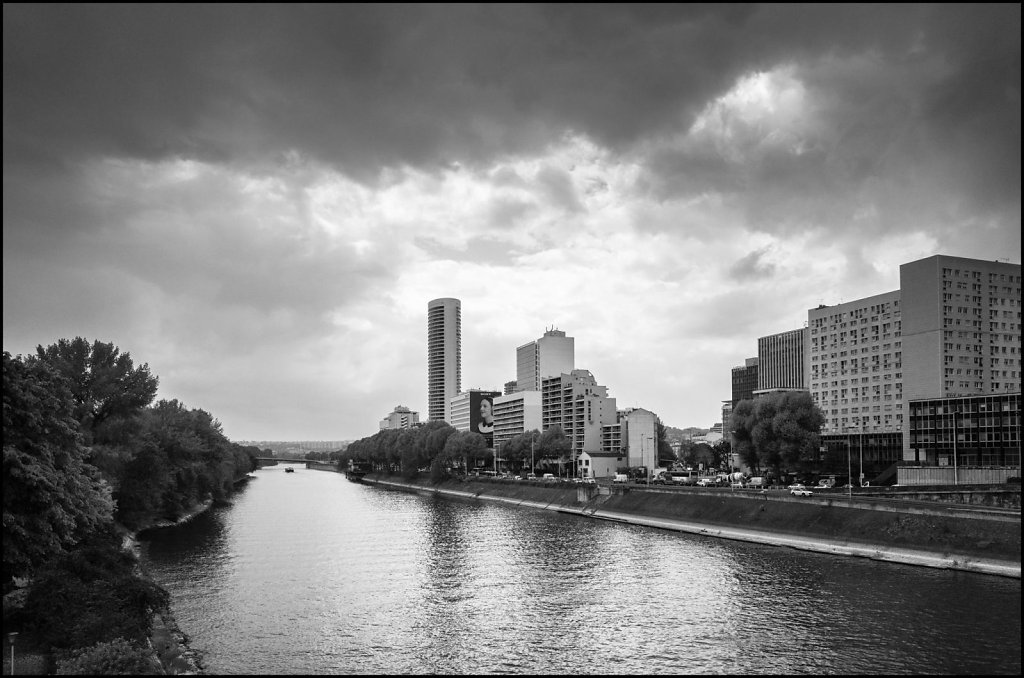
pixel 289 470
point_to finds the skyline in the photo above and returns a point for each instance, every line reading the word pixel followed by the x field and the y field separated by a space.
pixel 259 201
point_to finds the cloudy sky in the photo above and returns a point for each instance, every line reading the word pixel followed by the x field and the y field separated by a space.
pixel 259 201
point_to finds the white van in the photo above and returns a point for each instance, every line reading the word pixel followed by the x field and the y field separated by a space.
pixel 620 478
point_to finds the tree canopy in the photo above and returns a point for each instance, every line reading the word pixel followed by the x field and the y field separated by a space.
pixel 105 384
pixel 52 498
pixel 777 429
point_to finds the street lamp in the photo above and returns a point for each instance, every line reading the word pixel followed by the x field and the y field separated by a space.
pixel 954 448
pixel 10 637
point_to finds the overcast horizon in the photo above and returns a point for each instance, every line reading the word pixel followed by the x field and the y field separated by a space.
pixel 259 200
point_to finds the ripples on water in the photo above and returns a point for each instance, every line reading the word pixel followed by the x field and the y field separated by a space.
pixel 308 573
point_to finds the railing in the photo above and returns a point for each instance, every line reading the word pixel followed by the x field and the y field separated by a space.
pixel 963 475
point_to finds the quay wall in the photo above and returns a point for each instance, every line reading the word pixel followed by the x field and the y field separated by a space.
pixel 929 537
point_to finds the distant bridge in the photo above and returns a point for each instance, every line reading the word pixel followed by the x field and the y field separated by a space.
pixel 266 461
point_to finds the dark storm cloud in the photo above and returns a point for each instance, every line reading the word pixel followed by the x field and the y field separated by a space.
pixel 365 86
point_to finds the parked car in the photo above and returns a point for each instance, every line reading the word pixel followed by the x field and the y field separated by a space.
pixel 589 481
pixel 707 482
pixel 800 491
pixel 549 478
pixel 620 478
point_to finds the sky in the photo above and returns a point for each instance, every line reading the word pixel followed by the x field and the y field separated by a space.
pixel 259 201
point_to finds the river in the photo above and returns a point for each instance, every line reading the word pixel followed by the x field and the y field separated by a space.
pixel 307 573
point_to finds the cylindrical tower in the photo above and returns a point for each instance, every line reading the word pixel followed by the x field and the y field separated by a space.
pixel 444 355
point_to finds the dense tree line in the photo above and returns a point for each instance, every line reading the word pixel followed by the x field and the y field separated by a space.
pixel 436 447
pixel 86 454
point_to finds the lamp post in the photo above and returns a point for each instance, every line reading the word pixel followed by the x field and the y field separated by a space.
pixel 954 448
pixel 849 468
pixel 533 464
pixel 10 637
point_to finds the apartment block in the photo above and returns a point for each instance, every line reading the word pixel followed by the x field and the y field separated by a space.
pixel 576 403
pixel 515 414
pixel 401 417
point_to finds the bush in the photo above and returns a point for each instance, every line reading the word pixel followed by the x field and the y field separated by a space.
pixel 92 595
pixel 117 657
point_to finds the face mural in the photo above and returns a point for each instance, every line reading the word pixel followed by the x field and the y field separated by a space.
pixel 481 415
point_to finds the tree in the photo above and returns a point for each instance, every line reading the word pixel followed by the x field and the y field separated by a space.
pixel 777 429
pixel 462 446
pixel 52 498
pixel 105 384
pixel 666 457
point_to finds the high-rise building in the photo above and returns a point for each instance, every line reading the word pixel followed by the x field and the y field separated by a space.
pixel 444 355
pixel 950 333
pixel 780 362
pixel 551 355
pixel 961 325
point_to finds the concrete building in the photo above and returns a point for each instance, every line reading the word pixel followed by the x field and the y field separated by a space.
pixel 444 355
pixel 551 355
pixel 400 417
pixel 640 437
pixel 780 362
pixel 599 464
pixel 855 373
pixel 744 381
pixel 961 327
pixel 576 403
pixel 951 331
pixel 515 414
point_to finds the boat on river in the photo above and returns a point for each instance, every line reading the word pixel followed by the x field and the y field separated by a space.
pixel 356 470
pixel 289 470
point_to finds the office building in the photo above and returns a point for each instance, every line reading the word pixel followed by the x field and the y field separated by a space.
pixel 551 355
pixel 744 381
pixel 780 362
pixel 444 355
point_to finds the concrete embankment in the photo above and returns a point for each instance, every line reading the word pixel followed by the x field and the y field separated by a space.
pixel 930 538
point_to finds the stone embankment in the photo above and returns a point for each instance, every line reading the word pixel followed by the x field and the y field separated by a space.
pixel 933 537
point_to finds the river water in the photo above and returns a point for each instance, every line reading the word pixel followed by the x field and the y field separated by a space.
pixel 307 573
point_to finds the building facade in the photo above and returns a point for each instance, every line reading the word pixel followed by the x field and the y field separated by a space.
pixel 966 431
pixel 640 437
pixel 463 409
pixel 551 355
pixel 401 417
pixel 580 407
pixel 444 356
pixel 744 381
pixel 515 414
pixel 780 362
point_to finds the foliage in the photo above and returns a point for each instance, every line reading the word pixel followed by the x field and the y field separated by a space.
pixel 463 446
pixel 52 498
pixel 553 443
pixel 107 388
pixel 666 457
pixel 92 594
pixel 118 657
pixel 777 429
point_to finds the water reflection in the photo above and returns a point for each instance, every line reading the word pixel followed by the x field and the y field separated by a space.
pixel 308 573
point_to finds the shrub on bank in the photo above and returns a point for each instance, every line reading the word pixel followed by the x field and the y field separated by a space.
pixel 92 595
pixel 117 657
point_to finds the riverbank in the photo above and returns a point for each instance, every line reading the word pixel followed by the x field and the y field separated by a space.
pixel 167 640
pixel 934 538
